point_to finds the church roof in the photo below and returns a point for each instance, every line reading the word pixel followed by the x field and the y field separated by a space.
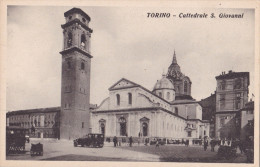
pixel 125 84
pixel 163 83
pixel 77 10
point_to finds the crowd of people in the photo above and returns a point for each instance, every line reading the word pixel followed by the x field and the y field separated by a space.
pixel 206 142
pixel 119 141
pixel 232 143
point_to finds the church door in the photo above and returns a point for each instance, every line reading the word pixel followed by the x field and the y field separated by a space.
pixel 102 128
pixel 145 129
pixel 122 123
pixel 122 129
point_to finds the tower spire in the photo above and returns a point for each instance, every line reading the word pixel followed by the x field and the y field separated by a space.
pixel 174 60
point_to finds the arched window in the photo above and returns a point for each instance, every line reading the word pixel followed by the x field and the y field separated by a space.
pixel 168 95
pixel 83 40
pixel 130 98
pixel 69 42
pixel 82 66
pixel 118 99
pixel 185 87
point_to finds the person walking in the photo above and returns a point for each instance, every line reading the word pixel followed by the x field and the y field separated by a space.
pixel 130 141
pixel 212 144
pixel 187 142
pixel 115 141
pixel 205 144
pixel 157 143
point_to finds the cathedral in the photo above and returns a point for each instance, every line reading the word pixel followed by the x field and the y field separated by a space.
pixel 168 111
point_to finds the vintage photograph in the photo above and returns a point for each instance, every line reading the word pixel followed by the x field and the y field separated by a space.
pixel 130 83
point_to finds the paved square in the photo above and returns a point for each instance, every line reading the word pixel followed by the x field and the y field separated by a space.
pixel 65 151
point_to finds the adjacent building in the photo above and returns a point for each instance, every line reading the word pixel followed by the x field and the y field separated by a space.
pixel 208 112
pixel 41 123
pixel 245 121
pixel 231 96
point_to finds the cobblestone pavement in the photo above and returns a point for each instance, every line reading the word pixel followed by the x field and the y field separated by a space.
pixel 64 150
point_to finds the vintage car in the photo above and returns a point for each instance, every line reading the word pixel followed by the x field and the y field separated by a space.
pixel 15 139
pixel 36 149
pixel 161 141
pixel 90 140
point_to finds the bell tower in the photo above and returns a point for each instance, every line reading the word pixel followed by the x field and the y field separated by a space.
pixel 75 81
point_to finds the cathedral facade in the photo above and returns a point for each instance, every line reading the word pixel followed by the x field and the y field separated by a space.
pixel 133 110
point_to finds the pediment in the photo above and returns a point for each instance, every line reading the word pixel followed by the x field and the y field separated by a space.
pixel 102 120
pixel 144 119
pixel 122 84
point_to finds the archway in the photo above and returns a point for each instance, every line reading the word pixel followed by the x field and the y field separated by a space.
pixel 144 127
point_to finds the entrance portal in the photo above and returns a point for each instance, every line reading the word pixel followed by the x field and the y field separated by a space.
pixel 145 129
pixel 102 128
pixel 122 123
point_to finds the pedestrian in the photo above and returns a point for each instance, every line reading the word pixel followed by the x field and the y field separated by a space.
pixel 115 141
pixel 241 146
pixel 119 141
pixel 228 142
pixel 146 141
pixel 205 144
pixel 223 142
pixel 187 142
pixel 212 144
pixel 130 141
pixel 157 143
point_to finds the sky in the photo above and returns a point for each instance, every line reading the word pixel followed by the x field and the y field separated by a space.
pixel 124 44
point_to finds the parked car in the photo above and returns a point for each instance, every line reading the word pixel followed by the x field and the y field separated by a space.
pixel 36 149
pixel 161 141
pixel 15 139
pixel 90 140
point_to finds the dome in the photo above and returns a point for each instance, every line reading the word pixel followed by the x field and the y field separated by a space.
pixel 164 83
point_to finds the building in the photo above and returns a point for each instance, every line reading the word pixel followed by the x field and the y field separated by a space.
pixel 41 123
pixel 208 112
pixel 168 111
pixel 75 83
pixel 245 121
pixel 231 96
pixel 132 110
